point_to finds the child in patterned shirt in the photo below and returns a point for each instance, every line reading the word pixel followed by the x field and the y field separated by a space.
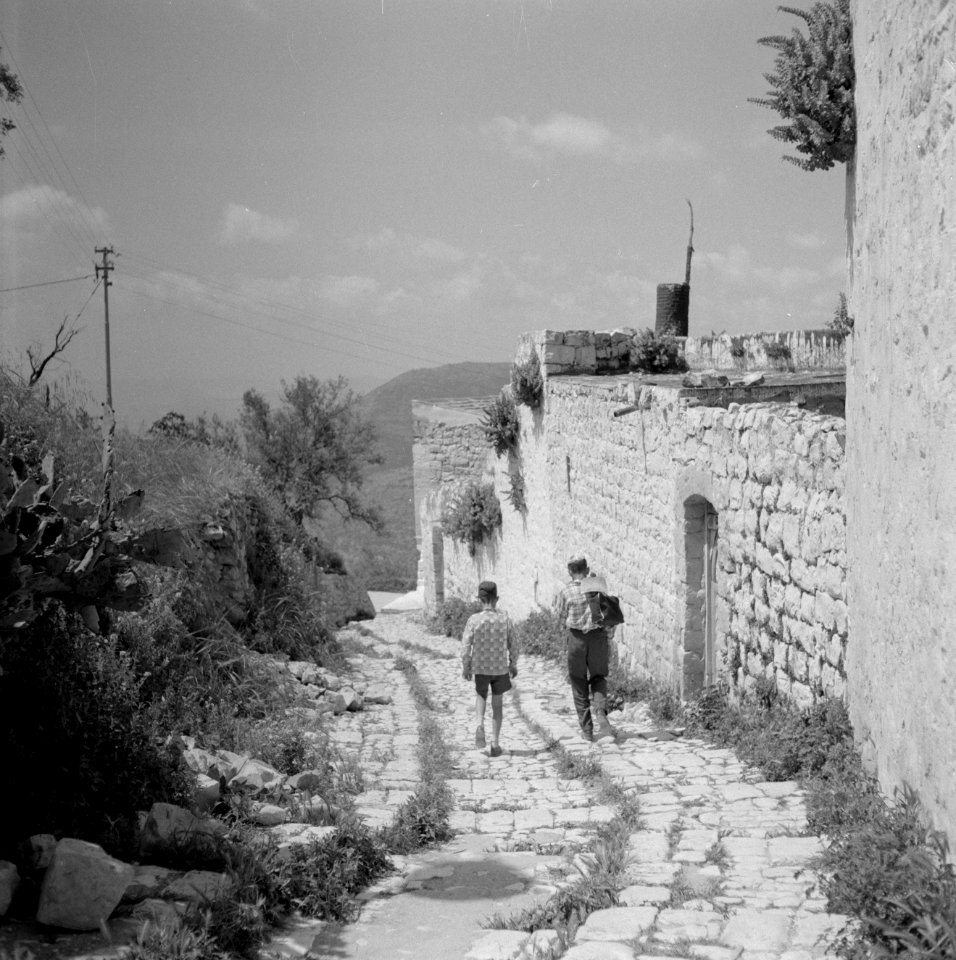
pixel 489 652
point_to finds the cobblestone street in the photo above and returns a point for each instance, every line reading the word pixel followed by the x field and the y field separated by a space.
pixel 720 866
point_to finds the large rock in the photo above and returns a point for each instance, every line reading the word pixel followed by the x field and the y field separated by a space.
pixel 256 776
pixel 307 779
pixel 39 851
pixel 200 886
pixel 82 886
pixel 269 814
pixel 148 882
pixel 168 826
pixel 9 881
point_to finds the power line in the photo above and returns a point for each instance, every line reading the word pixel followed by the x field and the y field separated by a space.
pixel 278 336
pixel 83 222
pixel 48 283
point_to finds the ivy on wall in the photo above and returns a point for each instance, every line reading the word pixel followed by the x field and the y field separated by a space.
pixel 812 86
pixel 500 423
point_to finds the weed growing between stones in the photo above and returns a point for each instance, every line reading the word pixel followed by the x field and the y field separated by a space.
pixel 527 383
pixel 473 517
pixel 172 941
pixel 602 868
pixel 656 353
pixel 423 819
pixel 883 865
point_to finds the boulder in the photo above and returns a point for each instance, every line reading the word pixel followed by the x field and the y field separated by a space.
pixel 256 776
pixel 39 851
pixel 269 814
pixel 9 881
pixel 329 680
pixel 167 826
pixel 345 699
pixel 158 912
pixel 207 792
pixel 378 693
pixel 307 779
pixel 148 881
pixel 288 836
pixel 198 886
pixel 82 886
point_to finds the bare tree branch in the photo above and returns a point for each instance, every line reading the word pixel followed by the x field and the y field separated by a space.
pixel 38 364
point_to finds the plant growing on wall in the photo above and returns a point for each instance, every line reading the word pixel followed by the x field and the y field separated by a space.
pixel 812 86
pixel 842 322
pixel 656 353
pixel 527 384
pixel 500 423
pixel 473 516
pixel 515 494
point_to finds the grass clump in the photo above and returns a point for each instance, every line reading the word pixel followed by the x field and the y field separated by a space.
pixel 423 819
pixel 656 353
pixel 527 383
pixel 450 617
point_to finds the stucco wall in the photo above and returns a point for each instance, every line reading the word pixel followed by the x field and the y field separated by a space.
pixel 627 491
pixel 901 399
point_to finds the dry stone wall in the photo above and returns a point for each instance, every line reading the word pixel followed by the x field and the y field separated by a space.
pixel 633 492
pixel 901 399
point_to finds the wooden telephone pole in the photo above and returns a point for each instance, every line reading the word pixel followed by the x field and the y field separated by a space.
pixel 104 269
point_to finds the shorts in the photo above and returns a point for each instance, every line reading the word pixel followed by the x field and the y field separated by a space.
pixel 499 684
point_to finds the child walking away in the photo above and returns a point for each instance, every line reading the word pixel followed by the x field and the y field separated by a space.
pixel 489 653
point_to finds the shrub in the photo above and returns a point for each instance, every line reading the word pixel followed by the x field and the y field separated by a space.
pixel 474 516
pixel 777 352
pixel 87 751
pixel 812 86
pixel 500 423
pixel 450 617
pixel 653 353
pixel 527 384
pixel 842 322
pixel 542 634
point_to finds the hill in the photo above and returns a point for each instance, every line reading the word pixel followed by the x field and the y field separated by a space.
pixel 389 561
pixel 389 407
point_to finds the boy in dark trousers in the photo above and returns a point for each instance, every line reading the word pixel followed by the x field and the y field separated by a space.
pixel 489 652
pixel 588 654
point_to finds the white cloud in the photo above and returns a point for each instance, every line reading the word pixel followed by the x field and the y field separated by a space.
pixel 806 241
pixel 737 266
pixel 242 225
pixel 41 201
pixel 568 135
pixel 346 290
pixel 409 247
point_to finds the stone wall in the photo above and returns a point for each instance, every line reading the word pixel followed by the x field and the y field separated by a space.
pixel 607 351
pixel 636 494
pixel 901 399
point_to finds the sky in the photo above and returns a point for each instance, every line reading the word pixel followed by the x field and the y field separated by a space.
pixel 365 187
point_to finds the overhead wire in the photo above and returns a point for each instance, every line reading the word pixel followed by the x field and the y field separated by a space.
pixel 82 219
pixel 279 336
pixel 244 301
pixel 46 283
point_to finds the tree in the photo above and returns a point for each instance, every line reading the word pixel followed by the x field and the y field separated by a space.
pixel 12 92
pixel 313 448
pixel 813 83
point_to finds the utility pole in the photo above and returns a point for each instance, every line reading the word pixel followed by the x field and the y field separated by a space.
pixel 104 269
pixel 109 419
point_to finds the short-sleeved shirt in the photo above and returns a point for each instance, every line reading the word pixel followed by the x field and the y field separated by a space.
pixel 574 609
pixel 489 644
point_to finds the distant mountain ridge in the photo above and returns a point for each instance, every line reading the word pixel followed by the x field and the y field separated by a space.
pixel 389 407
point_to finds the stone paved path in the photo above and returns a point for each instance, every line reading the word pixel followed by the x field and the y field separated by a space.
pixel 720 867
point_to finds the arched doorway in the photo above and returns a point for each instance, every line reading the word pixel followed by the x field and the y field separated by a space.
pixel 700 582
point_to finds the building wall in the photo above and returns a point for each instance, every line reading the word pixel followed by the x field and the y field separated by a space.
pixel 901 399
pixel 629 492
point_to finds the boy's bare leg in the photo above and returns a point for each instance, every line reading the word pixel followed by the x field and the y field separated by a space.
pixel 480 720
pixel 497 712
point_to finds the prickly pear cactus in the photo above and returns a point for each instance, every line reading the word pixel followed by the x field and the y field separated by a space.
pixel 55 547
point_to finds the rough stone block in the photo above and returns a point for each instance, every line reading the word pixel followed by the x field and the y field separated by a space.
pixel 82 886
pixel 9 882
pixel 618 923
